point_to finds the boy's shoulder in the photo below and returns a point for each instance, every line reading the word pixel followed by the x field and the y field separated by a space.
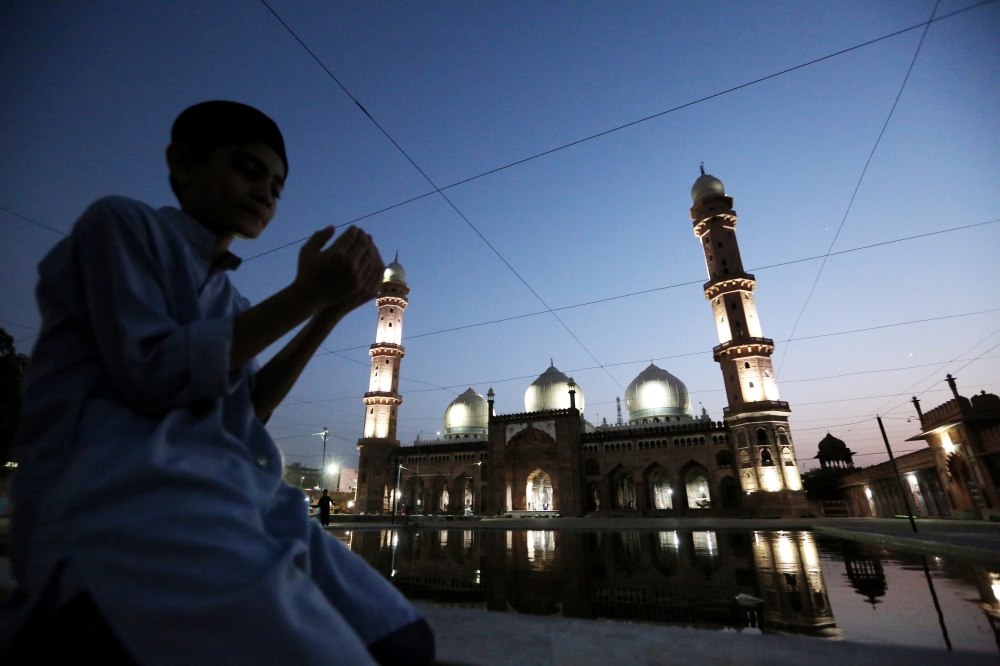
pixel 115 208
pixel 113 219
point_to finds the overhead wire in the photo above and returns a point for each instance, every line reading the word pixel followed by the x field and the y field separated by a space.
pixel 35 222
pixel 431 182
pixel 857 186
pixel 673 286
pixel 633 123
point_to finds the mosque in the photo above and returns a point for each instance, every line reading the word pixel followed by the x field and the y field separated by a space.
pixel 549 460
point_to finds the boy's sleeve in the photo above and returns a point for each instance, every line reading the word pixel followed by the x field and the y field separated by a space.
pixel 153 361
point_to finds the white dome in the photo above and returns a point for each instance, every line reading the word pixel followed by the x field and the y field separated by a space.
pixel 550 391
pixel 394 272
pixel 656 393
pixel 705 185
pixel 468 414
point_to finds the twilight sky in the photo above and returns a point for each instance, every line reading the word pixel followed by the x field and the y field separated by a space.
pixel 89 94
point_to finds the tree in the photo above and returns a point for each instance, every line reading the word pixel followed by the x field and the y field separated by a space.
pixel 12 367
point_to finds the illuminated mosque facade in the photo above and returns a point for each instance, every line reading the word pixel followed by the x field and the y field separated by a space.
pixel 662 460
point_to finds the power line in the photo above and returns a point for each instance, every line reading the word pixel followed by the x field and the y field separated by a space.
pixel 618 127
pixel 850 204
pixel 14 323
pixel 35 222
pixel 867 372
pixel 902 323
pixel 919 381
pixel 437 189
pixel 697 353
pixel 871 397
pixel 585 369
pixel 675 286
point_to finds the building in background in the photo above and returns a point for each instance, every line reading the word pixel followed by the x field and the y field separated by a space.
pixel 300 476
pixel 549 459
pixel 957 475
pixel 348 480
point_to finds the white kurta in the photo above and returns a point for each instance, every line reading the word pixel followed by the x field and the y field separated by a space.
pixel 143 469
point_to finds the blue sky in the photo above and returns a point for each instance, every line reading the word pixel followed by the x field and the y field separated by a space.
pixel 89 95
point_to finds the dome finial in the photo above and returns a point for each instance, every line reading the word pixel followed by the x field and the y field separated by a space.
pixel 703 168
pixel 396 260
pixel 552 362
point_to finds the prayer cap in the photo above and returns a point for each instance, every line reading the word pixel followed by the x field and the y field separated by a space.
pixel 214 124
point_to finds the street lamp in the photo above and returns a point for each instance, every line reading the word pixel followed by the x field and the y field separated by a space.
pixel 325 435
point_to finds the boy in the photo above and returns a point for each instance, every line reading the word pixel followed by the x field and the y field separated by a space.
pixel 150 522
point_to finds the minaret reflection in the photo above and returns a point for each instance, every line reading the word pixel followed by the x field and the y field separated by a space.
pixel 734 580
pixel 864 572
pixel 791 582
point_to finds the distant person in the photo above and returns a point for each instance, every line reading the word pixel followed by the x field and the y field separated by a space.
pixel 323 504
pixel 151 523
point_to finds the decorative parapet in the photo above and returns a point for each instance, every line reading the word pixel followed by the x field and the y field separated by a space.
pixel 534 416
pixel 948 412
pixel 740 281
pixel 625 432
pixel 445 446
pixel 919 459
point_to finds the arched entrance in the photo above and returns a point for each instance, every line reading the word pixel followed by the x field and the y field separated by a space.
pixel 965 491
pixel 539 492
pixel 729 490
pixel 593 496
pixel 661 495
pixel 445 499
pixel 696 483
pixel 623 490
pixel 418 496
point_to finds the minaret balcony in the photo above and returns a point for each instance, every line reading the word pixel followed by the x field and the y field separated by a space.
pixel 391 299
pixel 727 283
pixel 386 349
pixel 382 398
pixel 743 347
pixel 774 407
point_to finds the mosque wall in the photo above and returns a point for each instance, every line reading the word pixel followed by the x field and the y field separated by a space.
pixel 536 463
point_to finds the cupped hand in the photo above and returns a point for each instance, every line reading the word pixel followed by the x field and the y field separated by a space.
pixel 342 276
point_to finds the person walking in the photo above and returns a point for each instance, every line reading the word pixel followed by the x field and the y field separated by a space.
pixel 323 504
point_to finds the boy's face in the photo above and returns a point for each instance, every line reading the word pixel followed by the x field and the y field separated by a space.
pixel 235 192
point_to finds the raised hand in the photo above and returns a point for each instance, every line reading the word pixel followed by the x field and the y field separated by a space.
pixel 344 275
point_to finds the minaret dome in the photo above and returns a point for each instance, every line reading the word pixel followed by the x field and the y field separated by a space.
pixel 705 185
pixel 394 272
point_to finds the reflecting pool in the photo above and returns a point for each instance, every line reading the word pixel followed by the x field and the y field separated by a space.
pixel 790 582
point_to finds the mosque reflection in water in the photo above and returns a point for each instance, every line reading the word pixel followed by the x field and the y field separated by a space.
pixel 769 581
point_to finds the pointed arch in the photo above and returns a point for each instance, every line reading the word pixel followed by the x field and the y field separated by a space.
pixel 659 488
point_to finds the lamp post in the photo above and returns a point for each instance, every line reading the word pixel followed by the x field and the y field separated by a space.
pixel 325 435
pixel 895 469
pixel 395 493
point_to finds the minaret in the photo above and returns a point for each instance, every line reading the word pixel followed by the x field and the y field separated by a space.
pixel 382 400
pixel 756 415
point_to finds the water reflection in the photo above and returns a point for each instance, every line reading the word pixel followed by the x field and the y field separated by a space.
pixel 762 581
pixel 771 582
